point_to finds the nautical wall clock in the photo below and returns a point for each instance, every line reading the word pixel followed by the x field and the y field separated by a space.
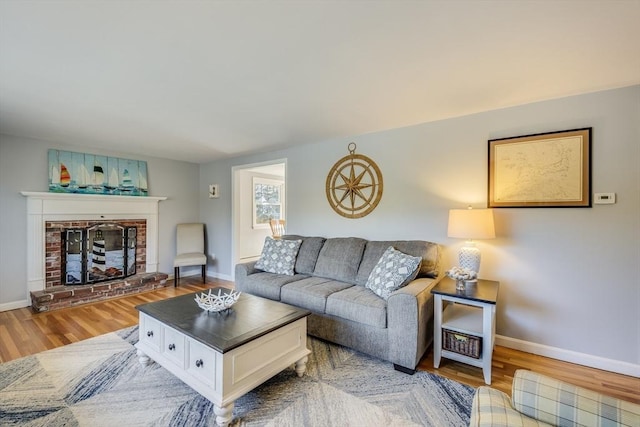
pixel 354 185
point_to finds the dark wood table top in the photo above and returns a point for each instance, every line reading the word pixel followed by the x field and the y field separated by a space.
pixel 249 318
pixel 483 291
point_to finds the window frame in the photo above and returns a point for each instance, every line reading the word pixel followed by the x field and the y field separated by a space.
pixel 256 180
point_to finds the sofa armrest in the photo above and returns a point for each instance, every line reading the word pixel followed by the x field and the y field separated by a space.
pixel 242 271
pixel 559 403
pixel 410 322
pixel 492 408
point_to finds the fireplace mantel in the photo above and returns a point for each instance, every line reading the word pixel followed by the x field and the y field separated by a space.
pixel 42 207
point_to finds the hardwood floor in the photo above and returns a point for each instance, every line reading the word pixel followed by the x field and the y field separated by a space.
pixel 23 333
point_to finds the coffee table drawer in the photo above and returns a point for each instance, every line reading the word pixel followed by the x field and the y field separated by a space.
pixel 202 362
pixel 174 346
pixel 150 332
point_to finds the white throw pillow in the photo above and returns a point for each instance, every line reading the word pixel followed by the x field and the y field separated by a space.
pixel 279 256
pixel 394 270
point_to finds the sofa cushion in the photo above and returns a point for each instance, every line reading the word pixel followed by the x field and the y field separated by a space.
pixel 279 256
pixel 358 304
pixel 340 258
pixel 394 270
pixel 308 253
pixel 268 285
pixel 311 293
pixel 428 251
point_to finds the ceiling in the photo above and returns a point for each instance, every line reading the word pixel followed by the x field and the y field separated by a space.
pixel 204 80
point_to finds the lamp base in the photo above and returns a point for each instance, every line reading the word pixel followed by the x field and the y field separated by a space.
pixel 469 257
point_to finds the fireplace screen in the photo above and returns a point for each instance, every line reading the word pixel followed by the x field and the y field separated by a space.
pixel 98 253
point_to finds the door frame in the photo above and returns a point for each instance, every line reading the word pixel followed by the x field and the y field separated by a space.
pixel 235 205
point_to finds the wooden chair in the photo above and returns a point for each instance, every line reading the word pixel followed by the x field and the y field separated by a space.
pixel 277 228
pixel 189 249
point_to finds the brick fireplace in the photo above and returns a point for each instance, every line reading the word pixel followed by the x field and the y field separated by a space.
pixel 58 245
pixel 51 216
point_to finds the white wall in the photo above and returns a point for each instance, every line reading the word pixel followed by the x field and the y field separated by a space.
pixel 23 166
pixel 570 277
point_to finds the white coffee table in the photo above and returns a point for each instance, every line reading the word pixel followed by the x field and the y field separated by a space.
pixel 222 356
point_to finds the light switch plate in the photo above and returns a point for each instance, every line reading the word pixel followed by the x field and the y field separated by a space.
pixel 214 192
pixel 604 198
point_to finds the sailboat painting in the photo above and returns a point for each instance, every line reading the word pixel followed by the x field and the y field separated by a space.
pixel 71 172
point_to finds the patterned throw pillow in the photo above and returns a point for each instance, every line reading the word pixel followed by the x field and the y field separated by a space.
pixel 393 271
pixel 278 256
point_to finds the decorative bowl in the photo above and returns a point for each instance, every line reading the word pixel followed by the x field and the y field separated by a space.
pixel 459 273
pixel 462 276
pixel 216 303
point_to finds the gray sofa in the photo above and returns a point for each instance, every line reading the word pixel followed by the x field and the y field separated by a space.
pixel 329 280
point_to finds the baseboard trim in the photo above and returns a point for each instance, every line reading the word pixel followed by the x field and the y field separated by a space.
pixel 226 277
pixel 597 362
pixel 209 274
pixel 14 305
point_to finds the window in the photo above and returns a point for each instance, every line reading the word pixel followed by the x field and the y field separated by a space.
pixel 267 201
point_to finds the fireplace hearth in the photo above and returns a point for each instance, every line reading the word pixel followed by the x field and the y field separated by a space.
pixel 52 284
pixel 89 261
pixel 56 297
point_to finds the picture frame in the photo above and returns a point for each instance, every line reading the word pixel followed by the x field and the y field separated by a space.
pixel 85 173
pixel 551 169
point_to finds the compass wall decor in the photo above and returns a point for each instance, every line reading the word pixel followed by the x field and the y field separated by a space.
pixel 354 185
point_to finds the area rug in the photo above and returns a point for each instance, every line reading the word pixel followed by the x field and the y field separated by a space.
pixel 99 382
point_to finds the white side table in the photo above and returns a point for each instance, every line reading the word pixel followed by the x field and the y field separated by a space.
pixel 470 312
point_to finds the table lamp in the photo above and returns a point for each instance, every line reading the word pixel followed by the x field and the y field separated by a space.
pixel 471 224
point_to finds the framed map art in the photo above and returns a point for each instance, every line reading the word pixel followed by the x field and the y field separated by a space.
pixel 542 170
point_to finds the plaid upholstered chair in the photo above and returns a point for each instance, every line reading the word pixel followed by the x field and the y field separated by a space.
pixel 537 400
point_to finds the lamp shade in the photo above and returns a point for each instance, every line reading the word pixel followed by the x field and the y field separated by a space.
pixel 471 224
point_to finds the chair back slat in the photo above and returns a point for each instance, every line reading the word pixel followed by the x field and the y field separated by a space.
pixel 277 228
